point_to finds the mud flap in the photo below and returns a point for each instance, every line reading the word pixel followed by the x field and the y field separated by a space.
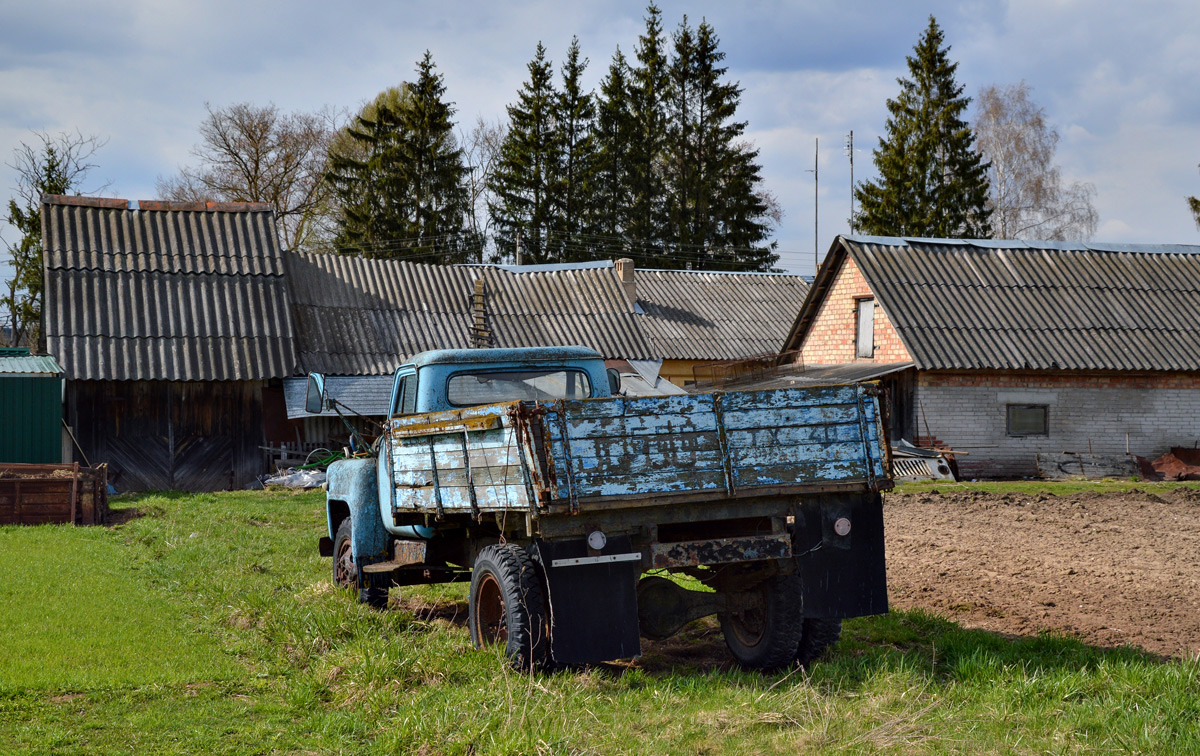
pixel 843 573
pixel 592 599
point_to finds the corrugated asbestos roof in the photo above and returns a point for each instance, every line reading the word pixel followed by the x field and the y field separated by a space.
pixel 718 316
pixel 169 291
pixel 1033 305
pixel 27 364
pixel 358 316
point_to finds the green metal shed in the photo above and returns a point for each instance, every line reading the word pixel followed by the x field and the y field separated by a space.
pixel 31 396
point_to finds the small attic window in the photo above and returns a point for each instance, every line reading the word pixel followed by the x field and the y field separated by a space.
pixel 865 342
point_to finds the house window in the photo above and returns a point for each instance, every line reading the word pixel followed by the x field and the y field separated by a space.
pixel 866 328
pixel 1028 420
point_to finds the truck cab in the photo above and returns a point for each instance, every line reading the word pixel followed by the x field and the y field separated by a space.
pixel 448 379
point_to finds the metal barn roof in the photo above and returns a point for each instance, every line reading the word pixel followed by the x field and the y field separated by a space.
pixel 169 291
pixel 20 362
pixel 1012 305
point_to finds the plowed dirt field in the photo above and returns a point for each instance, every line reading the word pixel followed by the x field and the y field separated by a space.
pixel 1109 568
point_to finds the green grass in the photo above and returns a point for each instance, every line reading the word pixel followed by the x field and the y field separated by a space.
pixel 214 629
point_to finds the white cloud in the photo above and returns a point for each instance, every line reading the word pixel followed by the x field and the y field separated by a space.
pixel 1117 79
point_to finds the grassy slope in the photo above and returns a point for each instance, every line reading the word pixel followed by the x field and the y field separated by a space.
pixel 267 658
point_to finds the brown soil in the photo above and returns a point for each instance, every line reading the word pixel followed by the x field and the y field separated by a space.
pixel 1110 569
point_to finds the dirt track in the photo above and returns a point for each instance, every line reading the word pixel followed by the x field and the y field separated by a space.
pixel 1110 569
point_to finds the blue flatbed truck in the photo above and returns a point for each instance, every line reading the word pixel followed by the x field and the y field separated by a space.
pixel 566 504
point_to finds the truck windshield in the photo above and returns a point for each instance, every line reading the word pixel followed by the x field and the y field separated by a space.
pixel 466 389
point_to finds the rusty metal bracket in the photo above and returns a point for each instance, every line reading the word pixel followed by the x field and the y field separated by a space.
pixel 437 483
pixel 572 491
pixel 723 440
pixel 470 477
pixel 721 551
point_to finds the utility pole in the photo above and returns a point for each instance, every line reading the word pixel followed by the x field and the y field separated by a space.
pixel 519 247
pixel 850 154
pixel 816 200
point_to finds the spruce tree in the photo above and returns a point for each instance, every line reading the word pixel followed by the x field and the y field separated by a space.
pixel 575 115
pixel 932 182
pixel 398 177
pixel 648 89
pixel 716 217
pixel 611 206
pixel 526 173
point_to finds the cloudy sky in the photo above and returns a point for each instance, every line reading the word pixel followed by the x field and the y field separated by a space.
pixel 1120 81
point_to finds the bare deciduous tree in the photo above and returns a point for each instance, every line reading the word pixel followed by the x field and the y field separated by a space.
pixel 481 151
pixel 54 164
pixel 255 153
pixel 1028 197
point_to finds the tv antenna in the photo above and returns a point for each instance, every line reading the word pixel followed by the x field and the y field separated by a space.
pixel 816 199
pixel 850 154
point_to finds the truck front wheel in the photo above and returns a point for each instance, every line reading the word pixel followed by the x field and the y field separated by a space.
pixel 345 571
pixel 507 605
pixel 763 625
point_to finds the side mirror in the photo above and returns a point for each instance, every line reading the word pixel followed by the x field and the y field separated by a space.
pixel 314 398
pixel 614 382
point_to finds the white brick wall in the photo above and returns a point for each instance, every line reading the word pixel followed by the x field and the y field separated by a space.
pixel 973 419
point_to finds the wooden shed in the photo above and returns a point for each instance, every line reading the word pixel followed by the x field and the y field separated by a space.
pixel 171 321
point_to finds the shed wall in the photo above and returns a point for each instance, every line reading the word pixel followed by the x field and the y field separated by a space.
pixel 967 412
pixel 31 419
pixel 171 435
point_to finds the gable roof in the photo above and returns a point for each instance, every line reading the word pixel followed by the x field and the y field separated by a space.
pixel 357 316
pixel 982 304
pixel 166 291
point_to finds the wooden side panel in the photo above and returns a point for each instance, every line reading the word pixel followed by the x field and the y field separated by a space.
pixel 719 443
pixel 455 470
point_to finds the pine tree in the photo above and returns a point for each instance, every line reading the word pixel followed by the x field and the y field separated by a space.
pixel 575 115
pixel 712 177
pixel 525 177
pixel 932 181
pixel 399 178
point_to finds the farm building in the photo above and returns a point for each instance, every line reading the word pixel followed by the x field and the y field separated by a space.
pixel 172 325
pixel 1009 349
pixel 31 392
pixel 361 318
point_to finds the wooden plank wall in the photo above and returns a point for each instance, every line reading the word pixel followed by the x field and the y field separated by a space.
pixel 171 435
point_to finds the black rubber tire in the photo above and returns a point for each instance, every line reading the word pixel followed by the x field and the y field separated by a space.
pixel 346 573
pixel 766 636
pixel 819 634
pixel 507 605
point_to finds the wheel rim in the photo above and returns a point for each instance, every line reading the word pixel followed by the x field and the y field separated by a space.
pixel 749 621
pixel 491 621
pixel 343 564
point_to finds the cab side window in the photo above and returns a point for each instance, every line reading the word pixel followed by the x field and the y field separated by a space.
pixel 408 394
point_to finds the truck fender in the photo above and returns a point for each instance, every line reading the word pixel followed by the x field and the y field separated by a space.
pixel 353 492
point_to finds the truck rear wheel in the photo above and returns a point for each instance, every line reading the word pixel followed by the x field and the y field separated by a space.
pixel 345 571
pixel 763 629
pixel 819 634
pixel 507 606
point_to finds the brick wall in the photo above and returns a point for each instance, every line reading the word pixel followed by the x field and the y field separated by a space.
pixel 967 412
pixel 831 338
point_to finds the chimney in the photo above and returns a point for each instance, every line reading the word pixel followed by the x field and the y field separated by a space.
pixel 625 271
